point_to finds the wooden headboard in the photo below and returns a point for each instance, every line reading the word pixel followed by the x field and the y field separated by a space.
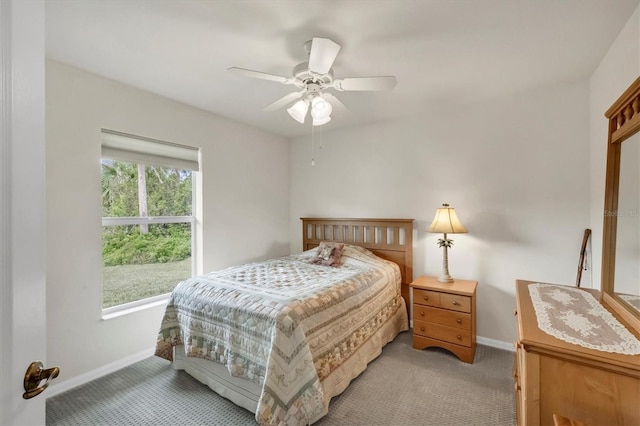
pixel 391 239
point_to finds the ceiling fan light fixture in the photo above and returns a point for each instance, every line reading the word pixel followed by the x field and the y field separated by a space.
pixel 319 103
pixel 320 108
pixel 320 122
pixel 299 110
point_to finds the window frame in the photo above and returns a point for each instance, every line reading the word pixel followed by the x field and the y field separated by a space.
pixel 149 302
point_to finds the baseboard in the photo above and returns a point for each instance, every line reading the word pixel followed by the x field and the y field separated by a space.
pixel 499 344
pixel 57 388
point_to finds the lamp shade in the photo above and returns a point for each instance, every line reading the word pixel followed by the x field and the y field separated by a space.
pixel 321 121
pixel 320 108
pixel 299 110
pixel 446 221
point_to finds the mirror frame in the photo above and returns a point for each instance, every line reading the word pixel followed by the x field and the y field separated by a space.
pixel 624 122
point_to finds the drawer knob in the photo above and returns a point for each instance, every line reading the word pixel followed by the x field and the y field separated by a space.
pixel 426 297
pixel 421 328
pixel 421 313
pixel 459 337
pixel 455 303
pixel 459 321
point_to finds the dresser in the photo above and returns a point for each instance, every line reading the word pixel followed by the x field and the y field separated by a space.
pixel 444 315
pixel 554 377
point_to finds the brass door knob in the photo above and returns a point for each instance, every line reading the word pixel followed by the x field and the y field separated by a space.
pixel 34 376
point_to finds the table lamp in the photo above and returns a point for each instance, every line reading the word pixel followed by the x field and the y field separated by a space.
pixel 446 222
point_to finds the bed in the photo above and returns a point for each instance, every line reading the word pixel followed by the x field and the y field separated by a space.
pixel 286 335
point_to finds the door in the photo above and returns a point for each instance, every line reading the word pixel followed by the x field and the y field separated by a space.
pixel 22 207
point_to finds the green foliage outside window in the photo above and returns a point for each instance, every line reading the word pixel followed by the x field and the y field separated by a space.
pixel 169 193
pixel 126 245
pixel 168 190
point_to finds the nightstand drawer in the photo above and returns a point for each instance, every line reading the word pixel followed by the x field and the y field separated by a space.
pixel 442 332
pixel 426 297
pixel 455 302
pixel 442 316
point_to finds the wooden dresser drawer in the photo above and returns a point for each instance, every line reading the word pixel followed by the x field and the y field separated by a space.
pixel 455 302
pixel 442 316
pixel 442 332
pixel 426 297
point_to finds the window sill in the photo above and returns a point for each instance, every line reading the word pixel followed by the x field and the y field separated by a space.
pixel 130 308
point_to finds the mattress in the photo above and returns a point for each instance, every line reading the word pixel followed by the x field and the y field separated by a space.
pixel 290 334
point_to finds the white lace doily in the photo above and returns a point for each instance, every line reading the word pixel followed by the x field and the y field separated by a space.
pixel 575 316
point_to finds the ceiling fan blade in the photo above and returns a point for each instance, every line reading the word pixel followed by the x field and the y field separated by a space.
pixel 261 75
pixel 283 101
pixel 335 103
pixel 323 53
pixel 365 83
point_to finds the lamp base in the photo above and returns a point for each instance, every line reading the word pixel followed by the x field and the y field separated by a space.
pixel 445 277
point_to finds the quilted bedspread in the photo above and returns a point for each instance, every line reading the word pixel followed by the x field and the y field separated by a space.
pixel 284 324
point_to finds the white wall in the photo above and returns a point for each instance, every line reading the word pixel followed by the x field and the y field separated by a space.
pixel 516 170
pixel 244 214
pixel 618 69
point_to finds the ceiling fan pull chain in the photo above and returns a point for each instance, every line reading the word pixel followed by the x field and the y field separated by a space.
pixel 313 132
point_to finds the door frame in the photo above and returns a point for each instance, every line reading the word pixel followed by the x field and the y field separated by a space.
pixel 22 206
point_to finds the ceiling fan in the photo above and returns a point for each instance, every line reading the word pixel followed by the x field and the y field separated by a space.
pixel 314 78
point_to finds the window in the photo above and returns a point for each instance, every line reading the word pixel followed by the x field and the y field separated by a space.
pixel 147 219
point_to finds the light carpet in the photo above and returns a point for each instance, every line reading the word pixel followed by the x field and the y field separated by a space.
pixel 402 387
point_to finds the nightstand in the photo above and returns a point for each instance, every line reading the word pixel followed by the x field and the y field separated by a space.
pixel 444 315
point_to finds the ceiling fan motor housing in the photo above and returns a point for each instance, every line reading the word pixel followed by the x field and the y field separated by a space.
pixel 304 75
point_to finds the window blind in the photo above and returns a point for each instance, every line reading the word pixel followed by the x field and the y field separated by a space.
pixel 128 148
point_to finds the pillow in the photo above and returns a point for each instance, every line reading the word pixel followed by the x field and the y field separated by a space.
pixel 328 254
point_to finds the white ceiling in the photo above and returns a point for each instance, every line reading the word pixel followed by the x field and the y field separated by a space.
pixel 443 52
